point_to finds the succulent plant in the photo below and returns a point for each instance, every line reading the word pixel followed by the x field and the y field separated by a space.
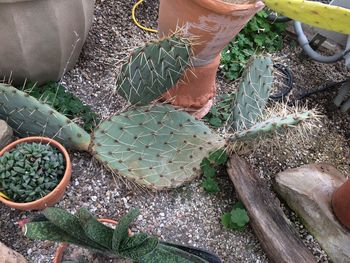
pixel 153 69
pixel 329 17
pixel 253 93
pixel 156 146
pixel 249 108
pixel 83 229
pixel 28 116
pixel 30 171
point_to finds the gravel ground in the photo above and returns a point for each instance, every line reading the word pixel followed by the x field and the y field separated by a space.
pixel 186 215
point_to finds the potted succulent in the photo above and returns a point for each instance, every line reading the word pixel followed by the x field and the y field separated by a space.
pixel 84 230
pixel 341 204
pixel 40 39
pixel 212 24
pixel 34 173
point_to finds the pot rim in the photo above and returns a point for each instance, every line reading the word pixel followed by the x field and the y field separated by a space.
pixel 62 184
pixel 63 246
pixel 225 8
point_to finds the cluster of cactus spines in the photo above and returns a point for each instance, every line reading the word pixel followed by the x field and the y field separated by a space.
pixel 153 69
pixel 155 146
pixel 272 125
pixel 328 17
pixel 28 116
pixel 83 229
pixel 253 93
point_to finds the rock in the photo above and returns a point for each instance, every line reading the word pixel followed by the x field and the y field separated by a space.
pixel 308 191
pixel 6 134
pixel 7 255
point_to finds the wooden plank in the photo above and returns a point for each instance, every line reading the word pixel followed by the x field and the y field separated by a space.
pixel 277 236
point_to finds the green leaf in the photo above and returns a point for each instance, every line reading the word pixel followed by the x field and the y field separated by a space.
pixel 226 220
pixel 216 122
pixel 69 224
pixel 137 246
pixel 208 171
pixel 210 185
pixel 218 157
pixel 237 219
pixel 121 231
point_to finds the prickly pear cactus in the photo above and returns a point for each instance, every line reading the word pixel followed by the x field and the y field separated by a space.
pixel 153 69
pixel 156 146
pixel 253 93
pixel 271 125
pixel 329 17
pixel 28 116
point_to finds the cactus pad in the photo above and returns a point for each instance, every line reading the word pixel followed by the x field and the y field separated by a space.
pixel 328 17
pixel 156 146
pixel 28 116
pixel 271 125
pixel 153 69
pixel 253 93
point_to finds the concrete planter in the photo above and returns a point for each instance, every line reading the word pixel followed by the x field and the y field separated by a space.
pixel 39 37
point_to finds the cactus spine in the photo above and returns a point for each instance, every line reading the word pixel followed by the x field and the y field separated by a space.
pixel 152 70
pixel 328 17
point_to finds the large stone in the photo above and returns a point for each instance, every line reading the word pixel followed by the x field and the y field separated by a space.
pixel 7 255
pixel 308 191
pixel 6 134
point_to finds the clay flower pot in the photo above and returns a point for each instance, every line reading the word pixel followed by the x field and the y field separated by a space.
pixel 40 38
pixel 341 204
pixel 212 24
pixel 62 247
pixel 57 193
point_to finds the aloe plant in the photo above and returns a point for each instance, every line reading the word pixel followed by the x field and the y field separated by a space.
pixel 83 229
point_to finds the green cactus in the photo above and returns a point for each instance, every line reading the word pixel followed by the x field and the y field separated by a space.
pixel 153 69
pixel 59 225
pixel 156 146
pixel 271 125
pixel 253 93
pixel 328 17
pixel 28 116
pixel 250 104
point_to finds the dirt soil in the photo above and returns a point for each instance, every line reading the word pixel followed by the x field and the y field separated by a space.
pixel 187 215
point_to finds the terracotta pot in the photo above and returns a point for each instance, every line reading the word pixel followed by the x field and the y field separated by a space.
pixel 212 24
pixel 341 204
pixel 62 247
pixel 195 90
pixel 57 193
pixel 38 37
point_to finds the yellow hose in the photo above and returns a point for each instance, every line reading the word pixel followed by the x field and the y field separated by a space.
pixel 135 20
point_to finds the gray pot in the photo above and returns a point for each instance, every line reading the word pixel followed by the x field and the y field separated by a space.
pixel 39 39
